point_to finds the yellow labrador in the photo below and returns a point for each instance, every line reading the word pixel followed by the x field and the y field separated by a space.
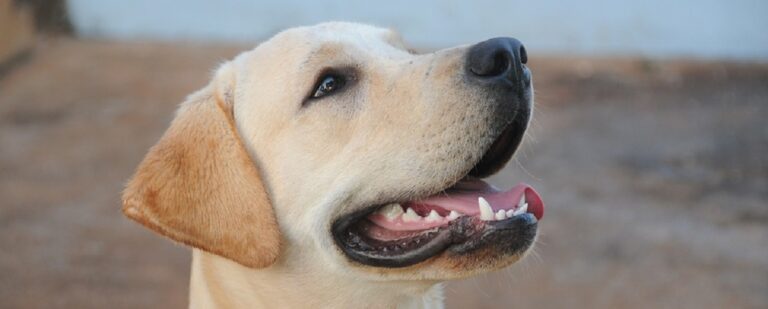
pixel 330 167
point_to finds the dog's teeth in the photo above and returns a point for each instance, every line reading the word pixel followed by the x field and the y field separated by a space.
pixel 486 212
pixel 510 213
pixel 521 210
pixel 453 215
pixel 434 216
pixel 500 215
pixel 535 220
pixel 411 216
pixel 391 211
pixel 522 201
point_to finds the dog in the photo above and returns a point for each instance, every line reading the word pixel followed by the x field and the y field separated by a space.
pixel 332 167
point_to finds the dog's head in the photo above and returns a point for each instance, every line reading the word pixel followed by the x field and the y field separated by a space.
pixel 334 145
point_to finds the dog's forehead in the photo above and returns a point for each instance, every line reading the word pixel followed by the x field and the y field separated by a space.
pixel 361 37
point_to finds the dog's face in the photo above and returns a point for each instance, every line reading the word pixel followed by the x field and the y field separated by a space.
pixel 367 157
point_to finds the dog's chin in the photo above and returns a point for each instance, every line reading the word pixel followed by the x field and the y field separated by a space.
pixel 464 222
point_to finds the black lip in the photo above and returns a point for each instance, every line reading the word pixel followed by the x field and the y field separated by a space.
pixel 462 236
pixel 511 236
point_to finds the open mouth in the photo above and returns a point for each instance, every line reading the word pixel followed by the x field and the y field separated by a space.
pixel 469 215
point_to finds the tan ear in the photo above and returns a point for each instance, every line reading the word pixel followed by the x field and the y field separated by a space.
pixel 198 185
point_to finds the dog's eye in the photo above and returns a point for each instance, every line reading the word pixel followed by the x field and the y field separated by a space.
pixel 328 84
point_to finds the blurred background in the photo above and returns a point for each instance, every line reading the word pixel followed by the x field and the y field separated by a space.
pixel 649 143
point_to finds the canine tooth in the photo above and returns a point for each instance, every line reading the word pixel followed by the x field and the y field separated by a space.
pixel 486 212
pixel 522 201
pixel 434 216
pixel 453 215
pixel 521 210
pixel 411 216
pixel 391 211
pixel 500 215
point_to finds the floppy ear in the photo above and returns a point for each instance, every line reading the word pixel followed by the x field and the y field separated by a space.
pixel 199 186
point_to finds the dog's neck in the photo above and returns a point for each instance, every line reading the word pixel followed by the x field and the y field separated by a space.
pixel 220 283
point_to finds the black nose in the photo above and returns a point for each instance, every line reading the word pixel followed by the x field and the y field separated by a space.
pixel 499 60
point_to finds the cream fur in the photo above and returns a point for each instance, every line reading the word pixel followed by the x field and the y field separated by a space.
pixel 310 163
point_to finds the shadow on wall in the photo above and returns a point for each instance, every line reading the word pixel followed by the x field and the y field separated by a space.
pixel 20 19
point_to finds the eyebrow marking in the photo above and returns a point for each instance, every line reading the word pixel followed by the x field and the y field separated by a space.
pixel 328 49
pixel 309 57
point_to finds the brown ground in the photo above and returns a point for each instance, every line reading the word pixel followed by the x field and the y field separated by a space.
pixel 655 175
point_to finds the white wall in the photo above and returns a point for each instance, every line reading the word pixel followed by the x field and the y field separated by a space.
pixel 735 29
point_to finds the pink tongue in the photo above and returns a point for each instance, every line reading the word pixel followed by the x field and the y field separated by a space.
pixel 465 202
pixel 463 199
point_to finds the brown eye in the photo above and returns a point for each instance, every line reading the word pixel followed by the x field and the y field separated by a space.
pixel 328 84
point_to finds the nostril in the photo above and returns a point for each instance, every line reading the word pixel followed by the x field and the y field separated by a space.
pixel 523 55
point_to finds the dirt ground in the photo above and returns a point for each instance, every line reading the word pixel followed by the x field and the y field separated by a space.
pixel 655 176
